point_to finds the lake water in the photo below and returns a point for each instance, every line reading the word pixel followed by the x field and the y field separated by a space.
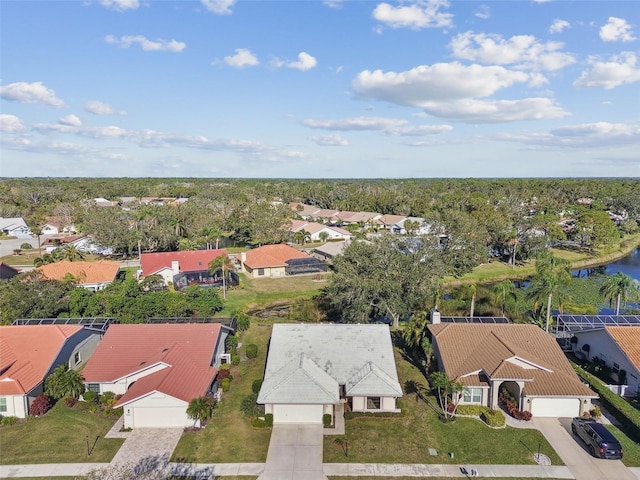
pixel 629 265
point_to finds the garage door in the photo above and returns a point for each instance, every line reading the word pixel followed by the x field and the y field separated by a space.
pixel 555 407
pixel 159 417
pixel 297 413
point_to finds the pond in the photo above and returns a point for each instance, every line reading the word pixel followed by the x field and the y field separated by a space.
pixel 629 265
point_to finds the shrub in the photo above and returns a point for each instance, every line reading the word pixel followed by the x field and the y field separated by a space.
pixel 249 407
pixel 8 421
pixel 268 419
pixel 258 422
pixel 493 418
pixel 256 385
pixel 252 351
pixel 242 322
pixel 26 246
pixel 226 373
pixel 225 384
pixel 224 366
pixel 82 406
pixel 235 359
pixel 595 412
pixel 326 420
pixel 41 405
pixel 232 342
pixel 472 410
pixel 90 397
pixel 70 402
pixel 107 397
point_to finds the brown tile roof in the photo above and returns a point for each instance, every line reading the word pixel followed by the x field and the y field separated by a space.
pixel 186 349
pixel 271 256
pixel 523 352
pixel 389 220
pixel 27 353
pixel 188 261
pixel 86 272
pixel 628 339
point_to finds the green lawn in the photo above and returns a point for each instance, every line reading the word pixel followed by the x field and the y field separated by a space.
pixel 229 437
pixel 406 439
pixel 58 437
pixel 631 449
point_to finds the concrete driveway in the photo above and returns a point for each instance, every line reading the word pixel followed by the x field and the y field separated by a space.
pixel 574 452
pixel 295 453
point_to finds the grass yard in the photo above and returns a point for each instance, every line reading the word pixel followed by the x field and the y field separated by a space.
pixel 229 437
pixel 58 437
pixel 406 439
pixel 631 449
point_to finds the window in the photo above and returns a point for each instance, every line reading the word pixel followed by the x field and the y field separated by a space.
pixel 472 395
pixel 260 271
pixel 3 404
pixel 76 358
pixel 373 403
pixel 93 387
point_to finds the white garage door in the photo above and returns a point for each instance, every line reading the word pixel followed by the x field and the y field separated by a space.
pixel 297 413
pixel 555 407
pixel 151 417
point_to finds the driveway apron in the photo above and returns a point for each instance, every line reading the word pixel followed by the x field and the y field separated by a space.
pixel 295 453
pixel 574 454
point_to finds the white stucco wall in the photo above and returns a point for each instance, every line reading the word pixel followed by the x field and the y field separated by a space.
pixel 122 385
pixel 16 406
pixel 157 411
pixel 268 272
pixel 387 404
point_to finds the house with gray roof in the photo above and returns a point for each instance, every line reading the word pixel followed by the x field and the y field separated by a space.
pixel 312 369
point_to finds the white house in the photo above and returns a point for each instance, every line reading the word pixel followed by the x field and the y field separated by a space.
pixel 15 227
pixel 318 231
pixel 28 354
pixel 158 369
pixel 618 347
pixel 313 370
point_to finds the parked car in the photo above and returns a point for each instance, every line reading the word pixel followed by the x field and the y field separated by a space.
pixel 600 441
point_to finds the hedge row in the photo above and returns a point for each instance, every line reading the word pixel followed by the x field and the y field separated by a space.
pixel 350 415
pixel 493 418
pixel 626 414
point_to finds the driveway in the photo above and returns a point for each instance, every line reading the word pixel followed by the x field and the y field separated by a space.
pixel 148 447
pixel 574 454
pixel 295 452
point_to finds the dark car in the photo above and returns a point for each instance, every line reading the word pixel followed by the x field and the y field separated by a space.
pixel 600 441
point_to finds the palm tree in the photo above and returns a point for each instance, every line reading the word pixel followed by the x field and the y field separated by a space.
pixel 323 236
pixel 415 329
pixel 617 287
pixel 472 291
pixel 71 253
pixel 63 382
pixel 301 236
pixel 503 291
pixel 552 273
pixel 448 391
pixel 222 262
pixel 200 409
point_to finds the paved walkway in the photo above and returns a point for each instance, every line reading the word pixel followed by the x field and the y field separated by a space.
pixel 295 452
pixel 428 470
pixel 145 445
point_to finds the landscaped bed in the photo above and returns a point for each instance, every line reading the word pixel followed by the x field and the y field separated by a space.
pixel 407 438
pixel 229 436
pixel 59 436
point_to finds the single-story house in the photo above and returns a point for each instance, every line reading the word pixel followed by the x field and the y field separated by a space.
pixel 7 271
pixel 56 226
pixel 185 268
pixel 304 210
pixel 388 221
pixel 419 226
pixel 618 347
pixel 277 261
pixel 51 244
pixel 362 217
pixel 158 369
pixel 329 250
pixel 93 276
pixel 318 230
pixel 313 368
pixel 15 227
pixel 103 202
pixel 520 358
pixel 28 354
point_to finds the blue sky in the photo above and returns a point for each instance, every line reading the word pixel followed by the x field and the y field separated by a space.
pixel 320 89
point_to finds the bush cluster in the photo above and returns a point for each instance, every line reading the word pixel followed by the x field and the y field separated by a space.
pixel 626 414
pixel 225 383
pixel 493 418
pixel 252 351
pixel 258 422
pixel 256 385
pixel 41 405
pixel 268 419
pixel 509 403
pixel 94 403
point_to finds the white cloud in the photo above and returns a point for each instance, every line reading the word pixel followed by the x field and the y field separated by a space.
pixel 158 45
pixel 616 30
pixel 120 5
pixel 559 25
pixel 620 70
pixel 305 62
pixel 390 126
pixel 219 7
pixel 415 15
pixel 10 124
pixel 36 92
pixel 496 111
pixel 97 107
pixel 333 3
pixel 522 51
pixel 242 58
pixel 483 12
pixel 437 82
pixel 591 135
pixel 330 140
pixel 71 120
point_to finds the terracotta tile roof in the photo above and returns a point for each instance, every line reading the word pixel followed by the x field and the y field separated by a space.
pixel 62 240
pixel 271 256
pixel 363 217
pixel 185 350
pixel 27 352
pixel 628 339
pixel 507 351
pixel 188 261
pixel 324 213
pixel 86 272
pixel 296 225
pixel 345 215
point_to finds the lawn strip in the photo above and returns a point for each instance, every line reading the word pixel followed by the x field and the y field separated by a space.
pixel 60 436
pixel 631 449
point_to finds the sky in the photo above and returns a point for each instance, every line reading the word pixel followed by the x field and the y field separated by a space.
pixel 319 89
